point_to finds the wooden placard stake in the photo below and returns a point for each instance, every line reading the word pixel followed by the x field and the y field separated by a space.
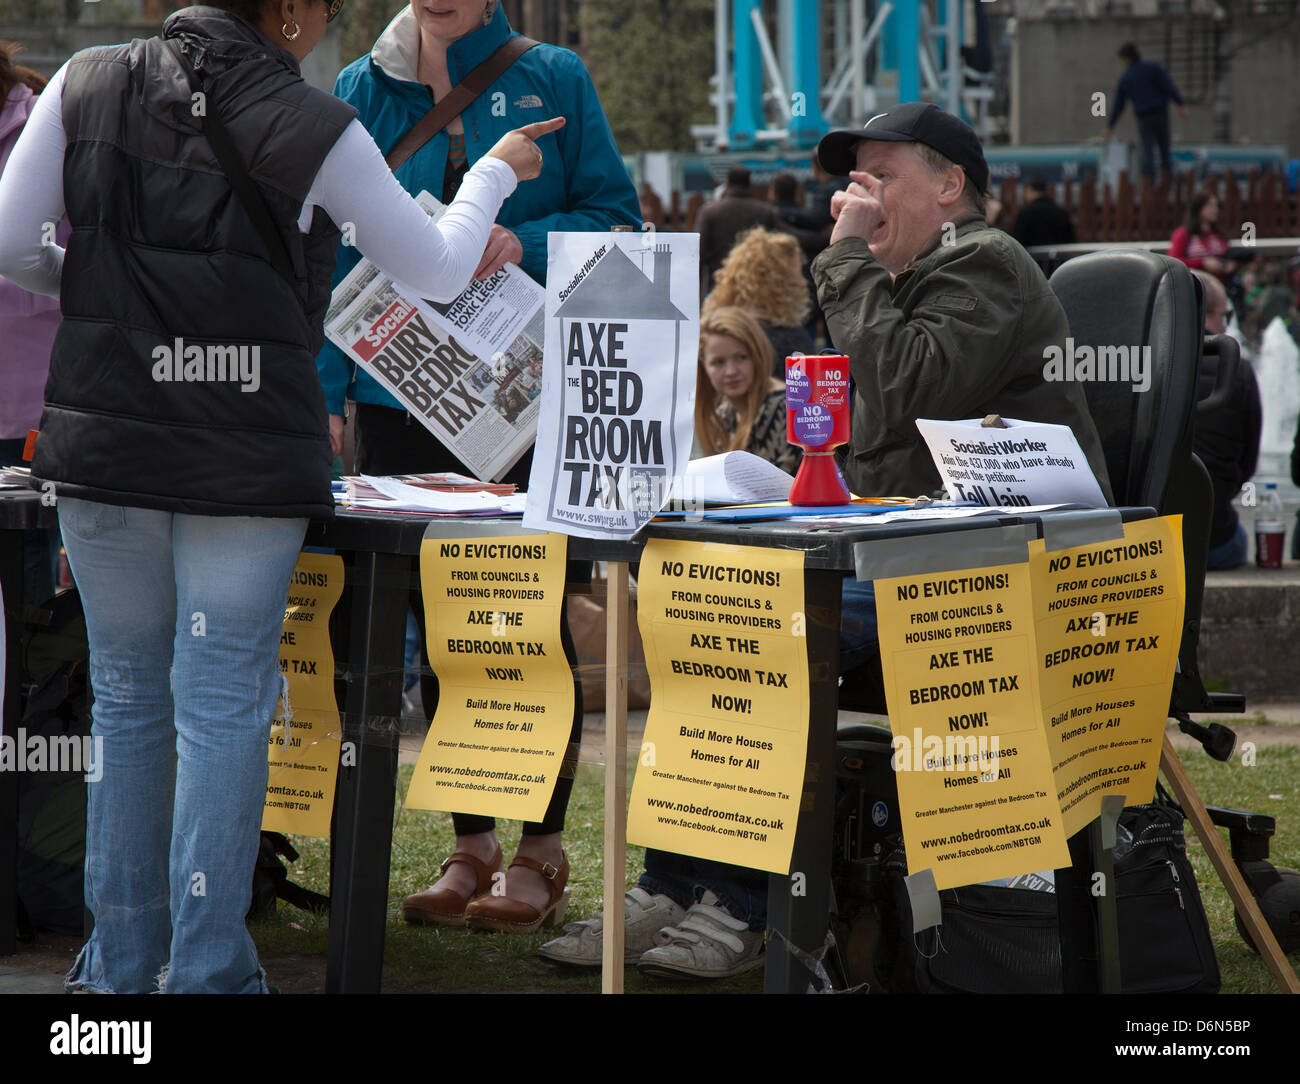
pixel 616 637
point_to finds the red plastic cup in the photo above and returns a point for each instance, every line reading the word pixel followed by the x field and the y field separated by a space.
pixel 817 420
pixel 1270 542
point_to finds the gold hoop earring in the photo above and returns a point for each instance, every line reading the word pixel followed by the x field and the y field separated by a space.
pixel 284 29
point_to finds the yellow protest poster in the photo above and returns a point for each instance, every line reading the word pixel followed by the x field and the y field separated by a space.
pixel 304 744
pixel 505 690
pixel 721 769
pixel 975 787
pixel 1109 618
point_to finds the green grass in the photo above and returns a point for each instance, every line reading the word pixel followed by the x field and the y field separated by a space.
pixel 1271 786
pixel 420 959
pixel 456 960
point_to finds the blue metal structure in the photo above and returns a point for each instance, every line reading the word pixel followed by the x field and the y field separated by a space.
pixel 906 27
pixel 807 125
pixel 834 63
pixel 747 116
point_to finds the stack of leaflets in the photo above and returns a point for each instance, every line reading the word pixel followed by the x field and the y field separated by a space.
pixel 357 488
pixel 428 495
pixel 15 477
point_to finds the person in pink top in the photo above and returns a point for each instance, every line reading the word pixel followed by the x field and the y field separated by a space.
pixel 27 325
pixel 27 321
pixel 1198 242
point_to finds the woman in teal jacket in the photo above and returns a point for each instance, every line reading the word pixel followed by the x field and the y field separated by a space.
pixel 583 187
pixel 427 49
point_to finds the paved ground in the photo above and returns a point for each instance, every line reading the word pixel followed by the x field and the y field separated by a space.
pixel 29 980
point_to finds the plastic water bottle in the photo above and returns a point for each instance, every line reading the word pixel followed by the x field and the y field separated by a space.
pixel 1270 529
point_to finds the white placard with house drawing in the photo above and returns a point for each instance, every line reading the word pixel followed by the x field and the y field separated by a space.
pixel 618 380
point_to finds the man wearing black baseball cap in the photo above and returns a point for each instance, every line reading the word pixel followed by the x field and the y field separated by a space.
pixel 941 315
pixel 911 122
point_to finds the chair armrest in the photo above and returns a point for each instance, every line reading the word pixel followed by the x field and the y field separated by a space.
pixel 1226 349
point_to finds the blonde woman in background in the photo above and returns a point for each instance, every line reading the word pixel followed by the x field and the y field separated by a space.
pixel 738 406
pixel 763 274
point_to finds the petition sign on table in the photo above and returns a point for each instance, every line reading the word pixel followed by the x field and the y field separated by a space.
pixel 1026 463
pixel 618 388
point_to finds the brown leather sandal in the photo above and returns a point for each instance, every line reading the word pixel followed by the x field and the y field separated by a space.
pixel 505 915
pixel 443 906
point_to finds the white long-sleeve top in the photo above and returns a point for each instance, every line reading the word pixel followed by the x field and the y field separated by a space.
pixel 353 185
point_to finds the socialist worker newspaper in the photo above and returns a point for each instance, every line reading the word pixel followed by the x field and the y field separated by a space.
pixel 470 370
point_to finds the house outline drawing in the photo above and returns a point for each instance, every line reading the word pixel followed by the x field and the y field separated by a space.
pixel 616 289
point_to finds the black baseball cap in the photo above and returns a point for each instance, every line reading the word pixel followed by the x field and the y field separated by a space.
pixel 910 122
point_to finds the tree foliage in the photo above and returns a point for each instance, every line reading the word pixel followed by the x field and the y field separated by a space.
pixel 651 61
pixel 362 21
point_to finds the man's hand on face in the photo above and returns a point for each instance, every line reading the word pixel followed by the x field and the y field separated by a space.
pixel 857 210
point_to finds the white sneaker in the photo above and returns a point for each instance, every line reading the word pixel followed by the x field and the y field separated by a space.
pixel 708 943
pixel 644 916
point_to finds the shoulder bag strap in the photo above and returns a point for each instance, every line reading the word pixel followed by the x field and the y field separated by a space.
pixel 249 194
pixel 457 100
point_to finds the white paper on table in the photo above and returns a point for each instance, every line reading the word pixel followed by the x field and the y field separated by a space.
pixel 15 477
pixel 428 500
pixel 1026 463
pixel 961 513
pixel 732 478
pixel 923 513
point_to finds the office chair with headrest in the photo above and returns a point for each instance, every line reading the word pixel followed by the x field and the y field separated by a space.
pixel 1136 299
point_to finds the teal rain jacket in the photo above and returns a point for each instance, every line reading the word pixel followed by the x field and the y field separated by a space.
pixel 583 187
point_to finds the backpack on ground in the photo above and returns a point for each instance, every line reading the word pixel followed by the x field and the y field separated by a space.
pixel 1003 937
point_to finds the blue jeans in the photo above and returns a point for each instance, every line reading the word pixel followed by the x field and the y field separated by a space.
pixel 184 615
pixel 1232 554
pixel 743 892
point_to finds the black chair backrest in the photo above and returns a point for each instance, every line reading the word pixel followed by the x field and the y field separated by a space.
pixel 1134 299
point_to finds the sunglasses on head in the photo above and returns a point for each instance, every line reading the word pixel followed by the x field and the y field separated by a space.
pixel 335 7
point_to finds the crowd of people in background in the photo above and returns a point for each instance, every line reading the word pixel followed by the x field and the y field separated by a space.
pixel 1259 289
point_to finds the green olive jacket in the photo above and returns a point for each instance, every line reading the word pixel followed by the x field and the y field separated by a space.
pixel 959 333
